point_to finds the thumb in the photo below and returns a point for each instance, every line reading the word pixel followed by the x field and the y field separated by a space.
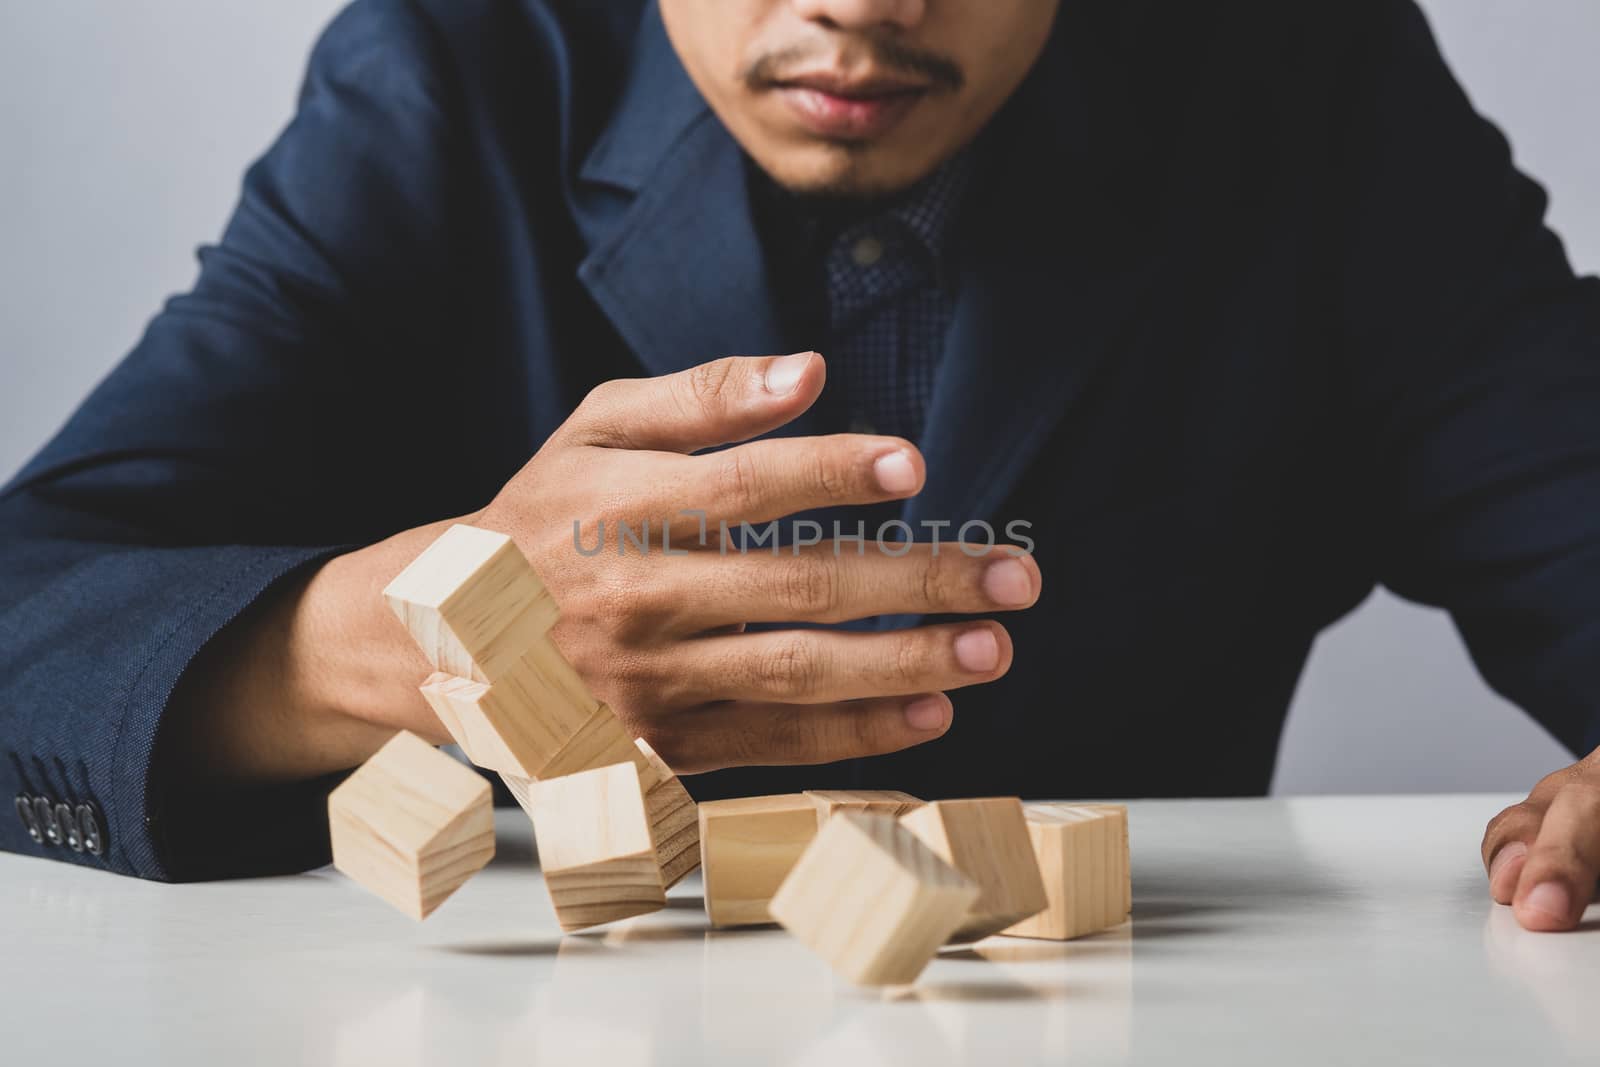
pixel 716 403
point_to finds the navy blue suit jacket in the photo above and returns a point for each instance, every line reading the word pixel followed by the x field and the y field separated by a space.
pixel 1255 313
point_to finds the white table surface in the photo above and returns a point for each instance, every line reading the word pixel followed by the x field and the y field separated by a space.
pixel 1303 931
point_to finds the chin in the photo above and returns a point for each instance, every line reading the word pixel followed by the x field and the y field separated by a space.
pixel 845 171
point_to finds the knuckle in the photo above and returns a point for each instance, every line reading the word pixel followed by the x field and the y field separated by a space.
pixel 708 383
pixel 829 476
pixel 598 411
pixel 788 735
pixel 1508 818
pixel 809 586
pixel 911 657
pixel 866 731
pixel 738 480
pixel 791 668
pixel 935 577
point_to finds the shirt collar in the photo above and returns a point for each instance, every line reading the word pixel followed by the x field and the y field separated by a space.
pixel 813 228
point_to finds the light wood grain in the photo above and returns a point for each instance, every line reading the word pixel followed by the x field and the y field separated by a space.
pixel 890 802
pixel 595 846
pixel 411 825
pixel 521 722
pixel 472 603
pixel 748 846
pixel 872 900
pixel 1082 851
pixel 987 840
pixel 674 822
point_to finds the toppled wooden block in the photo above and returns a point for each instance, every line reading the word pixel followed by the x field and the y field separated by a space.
pixel 872 900
pixel 748 846
pixel 987 840
pixel 1082 850
pixel 595 848
pixel 411 824
pixel 521 722
pixel 890 802
pixel 472 602
pixel 674 821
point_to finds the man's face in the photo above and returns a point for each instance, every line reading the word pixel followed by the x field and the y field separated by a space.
pixel 856 97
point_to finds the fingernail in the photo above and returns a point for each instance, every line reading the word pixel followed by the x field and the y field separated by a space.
pixel 1515 850
pixel 783 373
pixel 895 472
pixel 977 650
pixel 926 714
pixel 1550 898
pixel 1007 583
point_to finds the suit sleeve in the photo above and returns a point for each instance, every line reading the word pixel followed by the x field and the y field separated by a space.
pixel 1477 379
pixel 240 442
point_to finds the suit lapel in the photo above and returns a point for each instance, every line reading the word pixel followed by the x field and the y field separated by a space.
pixel 674 260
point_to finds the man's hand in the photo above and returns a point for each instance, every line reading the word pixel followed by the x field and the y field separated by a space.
pixel 660 637
pixel 1543 855
pixel 318 676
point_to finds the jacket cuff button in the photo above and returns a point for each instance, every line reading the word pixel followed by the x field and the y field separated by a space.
pixel 94 841
pixel 68 823
pixel 47 819
pixel 30 821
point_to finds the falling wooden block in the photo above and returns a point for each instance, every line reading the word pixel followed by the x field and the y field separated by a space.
pixel 411 824
pixel 748 846
pixel 472 603
pixel 1082 851
pixel 595 848
pixel 872 900
pixel 521 722
pixel 987 840
pixel 890 802
pixel 603 741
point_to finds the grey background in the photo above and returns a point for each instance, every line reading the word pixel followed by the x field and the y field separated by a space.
pixel 126 127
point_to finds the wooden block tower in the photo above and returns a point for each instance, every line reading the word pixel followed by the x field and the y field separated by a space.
pixel 475 607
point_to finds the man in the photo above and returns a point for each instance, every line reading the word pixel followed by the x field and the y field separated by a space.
pixel 1228 311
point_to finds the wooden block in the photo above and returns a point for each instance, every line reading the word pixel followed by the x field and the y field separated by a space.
pixel 411 824
pixel 987 840
pixel 595 848
pixel 674 822
pixel 601 741
pixel 1082 850
pixel 748 846
pixel 872 900
pixel 521 722
pixel 472 602
pixel 890 802
pixel 519 788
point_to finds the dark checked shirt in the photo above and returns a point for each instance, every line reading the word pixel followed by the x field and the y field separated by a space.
pixel 887 282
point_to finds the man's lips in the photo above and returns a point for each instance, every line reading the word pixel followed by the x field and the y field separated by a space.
pixel 857 109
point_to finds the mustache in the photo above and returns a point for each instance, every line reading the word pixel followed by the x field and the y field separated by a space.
pixel 940 71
